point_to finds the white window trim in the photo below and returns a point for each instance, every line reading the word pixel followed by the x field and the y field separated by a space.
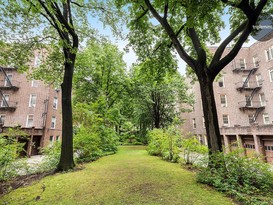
pixel 263 103
pixel 34 83
pixel 194 123
pixel 223 105
pixel 30 99
pixel 226 125
pixel 269 72
pixel 10 78
pixel 223 80
pixel 55 108
pixel 264 116
pixel 6 96
pixel 27 124
pixel 55 120
pixel 259 81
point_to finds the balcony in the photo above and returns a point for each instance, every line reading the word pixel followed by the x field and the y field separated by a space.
pixel 251 105
pixel 250 85
pixel 6 85
pixel 8 106
pixel 247 67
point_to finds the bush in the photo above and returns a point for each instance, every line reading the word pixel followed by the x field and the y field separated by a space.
pixel 52 156
pixel 193 151
pixel 9 152
pixel 164 143
pixel 244 178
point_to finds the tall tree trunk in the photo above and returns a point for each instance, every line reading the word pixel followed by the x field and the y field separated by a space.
pixel 66 161
pixel 210 114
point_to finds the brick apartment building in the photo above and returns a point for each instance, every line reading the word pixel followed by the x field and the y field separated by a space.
pixel 244 97
pixel 31 105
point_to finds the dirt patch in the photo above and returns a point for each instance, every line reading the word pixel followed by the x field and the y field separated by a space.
pixel 20 181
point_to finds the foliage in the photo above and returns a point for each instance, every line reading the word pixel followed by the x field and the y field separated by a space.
pixel 93 138
pixel 51 159
pixel 164 143
pixel 247 179
pixel 9 152
pixel 193 150
pixel 129 177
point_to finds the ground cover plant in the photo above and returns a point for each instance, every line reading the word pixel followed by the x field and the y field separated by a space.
pixel 249 180
pixel 129 177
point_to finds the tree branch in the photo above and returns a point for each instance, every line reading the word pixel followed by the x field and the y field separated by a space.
pixel 219 52
pixel 218 66
pixel 182 53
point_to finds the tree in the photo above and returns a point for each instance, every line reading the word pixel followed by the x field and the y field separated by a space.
pixel 187 26
pixel 57 25
pixel 157 92
pixel 101 78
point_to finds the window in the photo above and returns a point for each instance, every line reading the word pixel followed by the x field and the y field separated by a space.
pixel 30 120
pixel 250 146
pixel 57 138
pixel 259 79
pixel 204 125
pixel 269 53
pixel 32 100
pixel 255 61
pixel 194 123
pixel 248 101
pixel 242 63
pixel 262 99
pixel 221 82
pixel 223 99
pixel 53 122
pixel 266 119
pixel 5 100
pixel 37 60
pixel 34 83
pixel 245 82
pixel 55 103
pixel 250 118
pixel 2 119
pixel 51 140
pixel 271 75
pixel 8 80
pixel 225 120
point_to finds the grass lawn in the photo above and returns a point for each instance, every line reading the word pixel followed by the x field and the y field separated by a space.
pixel 129 177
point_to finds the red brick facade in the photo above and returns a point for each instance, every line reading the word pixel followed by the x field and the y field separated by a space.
pixel 243 97
pixel 33 106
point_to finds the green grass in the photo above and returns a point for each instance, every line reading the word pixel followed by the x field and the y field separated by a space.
pixel 129 177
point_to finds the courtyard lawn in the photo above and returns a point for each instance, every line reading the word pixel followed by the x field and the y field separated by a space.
pixel 129 177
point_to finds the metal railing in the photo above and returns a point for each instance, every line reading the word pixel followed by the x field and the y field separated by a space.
pixel 251 104
pixel 249 85
pixel 7 84
pixel 237 66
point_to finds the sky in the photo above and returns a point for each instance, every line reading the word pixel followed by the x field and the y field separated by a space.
pixel 130 57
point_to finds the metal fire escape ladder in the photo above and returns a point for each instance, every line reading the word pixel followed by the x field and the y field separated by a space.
pixel 248 100
pixel 252 71
pixel 256 114
pixel 5 102
pixel 5 74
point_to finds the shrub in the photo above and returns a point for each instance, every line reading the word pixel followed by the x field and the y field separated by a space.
pixel 9 152
pixel 164 143
pixel 244 178
pixel 193 151
pixel 52 156
pixel 87 145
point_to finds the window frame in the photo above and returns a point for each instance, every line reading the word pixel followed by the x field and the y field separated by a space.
pixel 266 115
pixel 27 123
pixel 53 122
pixel 228 121
pixel 225 97
pixel 31 99
pixel 55 103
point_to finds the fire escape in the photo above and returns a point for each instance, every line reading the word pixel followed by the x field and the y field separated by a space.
pixel 5 86
pixel 250 89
